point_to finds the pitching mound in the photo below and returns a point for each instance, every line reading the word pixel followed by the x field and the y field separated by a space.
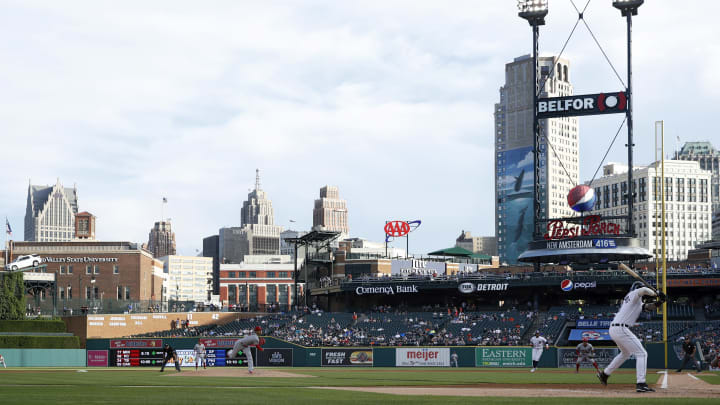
pixel 678 386
pixel 236 372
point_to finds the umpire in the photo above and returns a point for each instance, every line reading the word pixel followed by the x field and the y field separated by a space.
pixel 688 347
pixel 169 354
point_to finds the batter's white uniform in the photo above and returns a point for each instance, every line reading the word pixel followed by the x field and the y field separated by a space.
pixel 626 341
pixel 199 353
pixel 243 345
pixel 538 344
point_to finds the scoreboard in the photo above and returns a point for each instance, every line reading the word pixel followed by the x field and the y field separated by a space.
pixel 147 357
pixel 135 357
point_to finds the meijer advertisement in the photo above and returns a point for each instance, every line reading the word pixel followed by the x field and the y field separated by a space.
pixel 503 357
pixel 422 357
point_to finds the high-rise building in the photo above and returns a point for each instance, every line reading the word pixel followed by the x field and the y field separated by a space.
pixel 50 213
pixel 330 212
pixel 709 159
pixel 189 278
pixel 161 241
pixel 514 162
pixel 477 244
pixel 257 235
pixel 688 220
pixel 211 248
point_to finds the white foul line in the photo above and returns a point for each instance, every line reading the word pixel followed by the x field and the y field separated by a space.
pixel 664 384
pixel 693 377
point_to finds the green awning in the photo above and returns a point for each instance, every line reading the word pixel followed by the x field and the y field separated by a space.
pixel 480 256
pixel 453 251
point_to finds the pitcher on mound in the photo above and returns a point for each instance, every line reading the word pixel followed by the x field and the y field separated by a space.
pixel 244 344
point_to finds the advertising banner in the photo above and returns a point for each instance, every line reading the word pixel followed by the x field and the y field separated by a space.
pixel 133 343
pixel 515 202
pixel 591 334
pixel 593 323
pixel 218 358
pixel 503 357
pixel 693 282
pixel 275 358
pixel 416 267
pixel 360 357
pixel 187 358
pixel 603 357
pixel 97 358
pixel 226 342
pixel 422 357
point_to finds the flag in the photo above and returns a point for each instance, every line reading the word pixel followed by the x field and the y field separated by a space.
pixel 8 230
pixel 165 200
pixel 292 220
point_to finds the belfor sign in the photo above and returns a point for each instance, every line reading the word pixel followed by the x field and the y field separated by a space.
pixel 588 104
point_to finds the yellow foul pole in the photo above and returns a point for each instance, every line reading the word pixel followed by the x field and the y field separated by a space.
pixel 664 253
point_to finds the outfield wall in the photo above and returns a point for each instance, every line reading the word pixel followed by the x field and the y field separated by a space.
pixel 44 357
pixel 410 356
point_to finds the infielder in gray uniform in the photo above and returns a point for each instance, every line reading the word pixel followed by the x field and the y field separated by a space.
pixel 585 352
pixel 200 355
pixel 244 345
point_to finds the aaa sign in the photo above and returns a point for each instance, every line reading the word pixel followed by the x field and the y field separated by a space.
pixel 397 228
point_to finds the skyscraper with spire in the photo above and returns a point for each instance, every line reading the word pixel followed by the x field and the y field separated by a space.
pixel 258 234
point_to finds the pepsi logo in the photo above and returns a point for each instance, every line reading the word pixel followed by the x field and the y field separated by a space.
pixel 591 335
pixel 581 198
pixel 566 285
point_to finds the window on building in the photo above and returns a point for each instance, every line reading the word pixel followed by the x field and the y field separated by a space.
pixel 88 291
pixel 61 290
pixel 127 293
pixel 88 269
pixel 69 270
pixel 62 269
pixel 252 274
pixel 119 292
pixel 116 269
pixel 270 274
pixel 96 269
pixel 69 292
pixel 231 274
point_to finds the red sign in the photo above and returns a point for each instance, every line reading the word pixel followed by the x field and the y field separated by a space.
pixel 97 358
pixel 694 282
pixel 218 342
pixel 397 228
pixel 122 343
pixel 591 225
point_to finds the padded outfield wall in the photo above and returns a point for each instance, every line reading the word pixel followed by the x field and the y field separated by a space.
pixel 281 353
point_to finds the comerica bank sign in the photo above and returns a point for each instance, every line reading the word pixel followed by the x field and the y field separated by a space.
pixel 387 290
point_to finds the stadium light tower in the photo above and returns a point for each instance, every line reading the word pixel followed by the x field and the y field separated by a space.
pixel 534 11
pixel 629 8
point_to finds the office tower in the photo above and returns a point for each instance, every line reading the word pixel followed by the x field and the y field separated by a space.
pixel 50 213
pixel 331 212
pixel 514 143
pixel 161 241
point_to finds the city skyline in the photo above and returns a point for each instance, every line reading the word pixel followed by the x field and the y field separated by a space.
pixel 188 101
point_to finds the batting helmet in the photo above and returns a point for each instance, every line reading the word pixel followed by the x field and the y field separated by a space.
pixel 636 285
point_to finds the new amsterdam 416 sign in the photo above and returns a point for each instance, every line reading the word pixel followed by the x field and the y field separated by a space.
pixel 588 104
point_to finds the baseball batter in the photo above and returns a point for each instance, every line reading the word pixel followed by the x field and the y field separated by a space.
pixel 538 344
pixel 626 341
pixel 585 352
pixel 244 345
pixel 200 355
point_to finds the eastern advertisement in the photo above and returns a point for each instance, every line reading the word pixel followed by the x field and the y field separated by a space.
pixel 503 357
pixel 347 357
pixel 422 357
pixel 603 357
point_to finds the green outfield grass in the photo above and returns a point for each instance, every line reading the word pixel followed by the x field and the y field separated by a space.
pixel 148 386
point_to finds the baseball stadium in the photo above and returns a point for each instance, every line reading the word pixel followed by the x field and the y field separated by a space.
pixel 585 312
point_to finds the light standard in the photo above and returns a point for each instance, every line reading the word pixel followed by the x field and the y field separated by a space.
pixel 534 11
pixel 629 8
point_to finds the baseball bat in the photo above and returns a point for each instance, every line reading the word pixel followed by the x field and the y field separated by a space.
pixel 636 276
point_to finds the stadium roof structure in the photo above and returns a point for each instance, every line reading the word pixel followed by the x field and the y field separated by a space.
pixel 453 251
pixel 314 237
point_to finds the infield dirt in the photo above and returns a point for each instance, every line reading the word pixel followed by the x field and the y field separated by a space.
pixel 679 386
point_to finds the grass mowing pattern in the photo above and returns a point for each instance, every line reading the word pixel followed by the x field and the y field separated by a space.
pixel 108 386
